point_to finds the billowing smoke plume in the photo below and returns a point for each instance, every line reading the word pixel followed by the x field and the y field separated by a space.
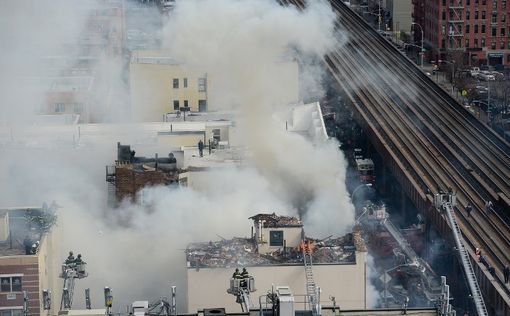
pixel 238 43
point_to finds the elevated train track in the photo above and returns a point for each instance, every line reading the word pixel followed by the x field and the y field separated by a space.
pixel 428 140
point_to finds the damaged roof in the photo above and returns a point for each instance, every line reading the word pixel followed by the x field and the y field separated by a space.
pixel 273 220
pixel 239 252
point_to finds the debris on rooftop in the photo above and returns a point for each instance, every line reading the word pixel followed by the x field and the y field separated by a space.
pixel 273 220
pixel 244 252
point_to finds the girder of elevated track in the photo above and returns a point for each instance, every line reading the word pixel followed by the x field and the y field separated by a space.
pixel 427 140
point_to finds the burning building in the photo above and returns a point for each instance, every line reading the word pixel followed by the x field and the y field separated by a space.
pixel 274 256
pixel 29 260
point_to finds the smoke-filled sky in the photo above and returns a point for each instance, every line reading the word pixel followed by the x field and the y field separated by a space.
pixel 235 41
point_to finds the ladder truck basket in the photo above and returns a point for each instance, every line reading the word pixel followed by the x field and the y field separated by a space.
pixel 239 285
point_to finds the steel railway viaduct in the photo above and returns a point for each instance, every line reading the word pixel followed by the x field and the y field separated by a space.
pixel 428 142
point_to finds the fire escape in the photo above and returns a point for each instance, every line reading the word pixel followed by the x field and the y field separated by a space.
pixel 455 22
pixel 110 179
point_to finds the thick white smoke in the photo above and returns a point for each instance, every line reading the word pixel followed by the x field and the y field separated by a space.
pixel 238 43
pixel 235 41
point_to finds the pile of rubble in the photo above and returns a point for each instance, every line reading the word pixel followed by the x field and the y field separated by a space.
pixel 273 220
pixel 226 253
pixel 243 252
pixel 334 250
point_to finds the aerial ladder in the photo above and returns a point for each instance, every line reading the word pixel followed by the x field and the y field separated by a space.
pixel 72 269
pixel 446 202
pixel 311 287
pixel 401 241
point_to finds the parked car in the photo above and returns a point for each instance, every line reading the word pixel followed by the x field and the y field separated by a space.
pixel 486 75
pixel 499 76
pixel 474 71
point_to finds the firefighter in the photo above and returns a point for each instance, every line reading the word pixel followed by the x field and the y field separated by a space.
pixel 70 258
pixel 236 274
pixel 245 274
pixel 27 242
pixel 469 208
pixel 478 253
pixel 201 148
pixel 78 260
pixel 488 206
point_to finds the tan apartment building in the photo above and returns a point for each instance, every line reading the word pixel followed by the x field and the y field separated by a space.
pixel 161 85
pixel 273 257
pixel 29 261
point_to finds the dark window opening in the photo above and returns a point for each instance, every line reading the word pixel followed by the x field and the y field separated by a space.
pixel 276 238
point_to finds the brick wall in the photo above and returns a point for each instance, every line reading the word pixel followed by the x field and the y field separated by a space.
pixel 129 181
pixel 27 266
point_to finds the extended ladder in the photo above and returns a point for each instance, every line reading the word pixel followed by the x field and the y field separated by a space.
pixel 447 201
pixel 311 288
pixel 402 242
pixel 68 290
pixel 70 272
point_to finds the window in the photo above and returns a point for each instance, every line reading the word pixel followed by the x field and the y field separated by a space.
pixel 502 31
pixel 176 83
pixel 494 18
pixel 466 42
pixel 484 2
pixel 493 44
pixel 508 57
pixel 442 43
pixel 276 238
pixel 443 15
pixel 60 107
pixel 502 44
pixel 484 14
pixel 503 18
pixel 10 284
pixel 482 42
pixel 475 43
pixel 483 28
pixel 202 84
pixel 202 105
pixel 493 31
pixel 468 2
pixel 476 15
pixel 503 4
pixel 467 28
pixel 78 108
pixel 467 15
pixel 176 104
pixel 477 1
pixel 444 3
pixel 11 312
pixel 185 82
pixel 186 105
pixel 476 28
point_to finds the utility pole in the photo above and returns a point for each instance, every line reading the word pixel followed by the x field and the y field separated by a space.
pixel 379 16
pixel 421 47
pixel 489 112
